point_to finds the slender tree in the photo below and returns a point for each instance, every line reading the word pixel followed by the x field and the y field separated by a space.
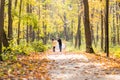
pixel 102 27
pixel 89 48
pixel 10 33
pixel 107 29
pixel 78 34
pixel 27 29
pixel 114 27
pixel 18 40
pixel 117 22
pixel 1 25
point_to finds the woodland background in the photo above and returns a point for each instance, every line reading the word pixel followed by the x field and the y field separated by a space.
pixel 88 25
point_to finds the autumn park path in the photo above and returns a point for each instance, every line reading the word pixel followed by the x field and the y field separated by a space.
pixel 60 66
pixel 71 66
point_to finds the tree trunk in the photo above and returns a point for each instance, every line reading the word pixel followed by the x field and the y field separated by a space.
pixel 1 25
pixel 118 32
pixel 38 34
pixel 45 33
pixel 89 48
pixel 30 33
pixel 102 30
pixel 97 36
pixel 27 29
pixel 92 34
pixel 10 33
pixel 107 29
pixel 78 34
pixel 27 33
pixel 65 27
pixel 18 40
pixel 33 35
pixel 117 21
pixel 114 28
pixel 5 40
pixel 72 23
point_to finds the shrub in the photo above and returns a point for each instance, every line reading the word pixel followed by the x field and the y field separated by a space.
pixel 38 46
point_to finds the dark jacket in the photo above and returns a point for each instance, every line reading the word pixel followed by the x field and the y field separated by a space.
pixel 60 42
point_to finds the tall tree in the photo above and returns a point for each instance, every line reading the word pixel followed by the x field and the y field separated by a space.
pixel 107 29
pixel 18 40
pixel 1 25
pixel 117 22
pixel 102 26
pixel 114 27
pixel 89 48
pixel 10 33
pixel 27 29
pixel 78 34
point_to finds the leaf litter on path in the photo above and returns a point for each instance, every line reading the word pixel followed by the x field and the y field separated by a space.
pixel 72 66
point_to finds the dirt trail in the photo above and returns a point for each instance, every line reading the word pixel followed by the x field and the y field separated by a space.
pixel 76 67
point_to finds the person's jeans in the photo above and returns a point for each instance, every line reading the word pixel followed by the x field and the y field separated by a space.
pixel 60 47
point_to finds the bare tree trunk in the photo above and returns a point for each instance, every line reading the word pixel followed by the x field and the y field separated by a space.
pixel 72 23
pixel 117 21
pixel 27 33
pixel 1 25
pixel 30 33
pixel 102 28
pixel 89 48
pixel 38 34
pixel 114 28
pixel 18 40
pixel 65 27
pixel 10 32
pixel 118 31
pixel 5 40
pixel 102 36
pixel 107 29
pixel 45 33
pixel 27 29
pixel 78 34
pixel 92 34
pixel 97 36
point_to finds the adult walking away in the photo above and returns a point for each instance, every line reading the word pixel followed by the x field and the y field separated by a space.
pixel 60 44
pixel 53 44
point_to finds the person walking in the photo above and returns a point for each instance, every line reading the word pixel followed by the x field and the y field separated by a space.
pixel 60 44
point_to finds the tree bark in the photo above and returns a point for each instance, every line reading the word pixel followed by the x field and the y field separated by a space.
pixel 72 23
pixel 5 40
pixel 117 21
pixel 102 27
pixel 102 30
pixel 65 27
pixel 27 29
pixel 107 29
pixel 1 25
pixel 78 34
pixel 18 40
pixel 89 48
pixel 114 28
pixel 10 33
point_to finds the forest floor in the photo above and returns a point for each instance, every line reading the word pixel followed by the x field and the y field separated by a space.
pixel 61 66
